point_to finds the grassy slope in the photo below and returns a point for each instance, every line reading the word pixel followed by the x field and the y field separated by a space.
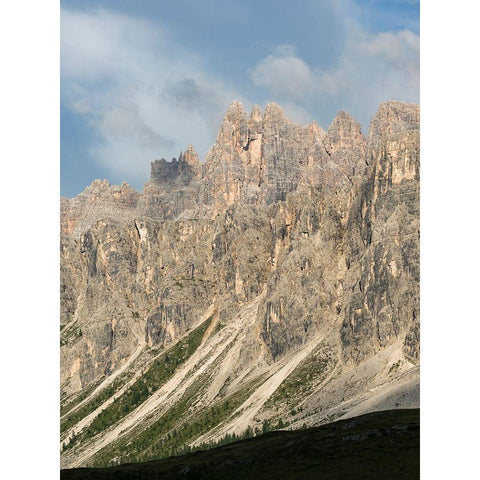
pixel 157 374
pixel 374 446
pixel 176 428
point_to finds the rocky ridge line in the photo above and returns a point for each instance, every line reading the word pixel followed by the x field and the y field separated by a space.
pixel 319 230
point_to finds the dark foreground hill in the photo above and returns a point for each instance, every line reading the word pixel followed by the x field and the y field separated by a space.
pixel 380 445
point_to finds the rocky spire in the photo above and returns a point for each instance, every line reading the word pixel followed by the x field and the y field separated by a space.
pixel 184 169
pixel 234 128
pixel 274 114
pixel 343 133
pixel 189 161
pixel 255 122
pixel 395 117
pixel 256 114
pixel 346 145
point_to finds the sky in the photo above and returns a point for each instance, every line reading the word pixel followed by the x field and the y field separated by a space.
pixel 142 80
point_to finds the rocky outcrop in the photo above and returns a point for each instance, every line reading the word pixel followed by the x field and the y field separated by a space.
pixel 382 239
pixel 260 159
pixel 131 283
pixel 346 145
pixel 394 117
pixel 328 226
pixel 172 191
pixel 98 201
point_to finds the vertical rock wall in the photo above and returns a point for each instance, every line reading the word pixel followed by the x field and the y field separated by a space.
pixel 325 223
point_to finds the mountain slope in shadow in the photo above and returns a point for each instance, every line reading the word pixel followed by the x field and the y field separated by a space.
pixel 379 445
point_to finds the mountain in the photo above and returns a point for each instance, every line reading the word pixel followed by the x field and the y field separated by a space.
pixel 274 285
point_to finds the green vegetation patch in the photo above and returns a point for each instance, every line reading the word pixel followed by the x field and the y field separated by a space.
pixel 92 405
pixel 100 397
pixel 159 372
pixel 70 335
pixel 79 398
pixel 302 381
pixel 175 429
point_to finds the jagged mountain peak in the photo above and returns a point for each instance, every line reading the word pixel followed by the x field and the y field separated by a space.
pixel 343 133
pixel 259 160
pixel 343 118
pixel 394 117
pixel 188 163
pixel 256 114
pixel 274 114
pixel 234 125
pixel 186 167
pixel 235 113
pixel 229 295
pixel 190 157
pixel 235 106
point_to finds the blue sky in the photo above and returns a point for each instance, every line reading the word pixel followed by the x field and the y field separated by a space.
pixel 142 80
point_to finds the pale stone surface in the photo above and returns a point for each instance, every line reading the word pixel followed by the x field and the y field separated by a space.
pixel 98 201
pixel 307 237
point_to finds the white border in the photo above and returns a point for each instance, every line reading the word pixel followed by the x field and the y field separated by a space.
pixel 29 89
pixel 29 192
pixel 450 158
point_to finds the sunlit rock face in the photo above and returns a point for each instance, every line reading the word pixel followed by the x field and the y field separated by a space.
pixel 98 201
pixel 307 236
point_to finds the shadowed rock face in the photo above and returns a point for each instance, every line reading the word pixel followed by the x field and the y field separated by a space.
pixel 384 229
pixel 319 230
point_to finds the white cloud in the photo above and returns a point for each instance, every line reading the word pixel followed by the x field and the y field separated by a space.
pixel 371 69
pixel 147 97
pixel 101 45
pixel 375 68
pixel 284 74
pixel 400 49
pixel 144 95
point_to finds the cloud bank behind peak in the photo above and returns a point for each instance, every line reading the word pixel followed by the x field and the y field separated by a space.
pixel 144 91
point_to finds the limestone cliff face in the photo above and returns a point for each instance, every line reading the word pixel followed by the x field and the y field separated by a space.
pixel 225 179
pixel 133 283
pixel 98 201
pixel 346 145
pixel 382 241
pixel 394 117
pixel 286 237
pixel 303 288
pixel 260 159
pixel 328 226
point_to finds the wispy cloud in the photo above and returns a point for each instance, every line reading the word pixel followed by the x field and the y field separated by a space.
pixel 371 69
pixel 142 94
pixel 147 96
pixel 284 75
